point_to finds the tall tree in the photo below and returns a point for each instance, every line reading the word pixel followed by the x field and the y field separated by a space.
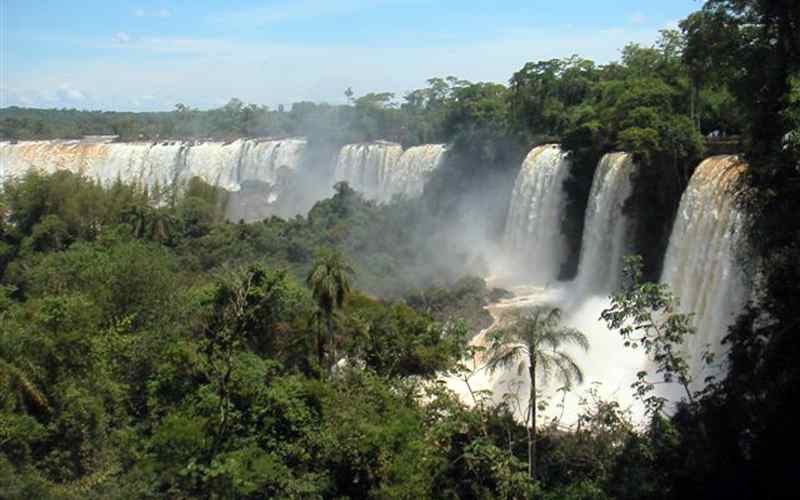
pixel 535 339
pixel 330 285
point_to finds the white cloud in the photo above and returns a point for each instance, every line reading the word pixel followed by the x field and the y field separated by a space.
pixel 638 18
pixel 210 71
pixel 175 45
pixel 121 37
pixel 162 12
pixel 10 97
pixel 66 92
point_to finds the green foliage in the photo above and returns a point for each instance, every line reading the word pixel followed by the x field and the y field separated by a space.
pixel 138 365
pixel 329 286
pixel 465 299
pixel 542 94
pixel 647 317
pixel 141 366
pixel 395 341
pixel 65 205
pixel 161 352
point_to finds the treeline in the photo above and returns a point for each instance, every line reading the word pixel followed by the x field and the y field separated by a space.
pixel 370 117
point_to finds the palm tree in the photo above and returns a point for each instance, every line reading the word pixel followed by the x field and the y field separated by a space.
pixel 161 224
pixel 154 224
pixel 536 337
pixel 137 217
pixel 329 283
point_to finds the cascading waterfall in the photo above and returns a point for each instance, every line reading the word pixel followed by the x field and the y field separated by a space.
pixel 606 228
pixel 267 183
pixel 412 170
pixel 533 233
pixel 259 173
pixel 533 227
pixel 167 164
pixel 271 162
pixel 51 156
pixel 368 167
pixel 216 163
pixel 700 267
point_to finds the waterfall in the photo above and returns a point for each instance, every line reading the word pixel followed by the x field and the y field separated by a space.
pixel 413 169
pixel 143 164
pixel 606 229
pixel 260 174
pixel 51 156
pixel 267 181
pixel 266 165
pixel 533 227
pixel 271 162
pixel 700 265
pixel 367 167
pixel 534 236
pixel 216 163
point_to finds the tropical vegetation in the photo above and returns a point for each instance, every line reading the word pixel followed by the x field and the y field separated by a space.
pixel 151 349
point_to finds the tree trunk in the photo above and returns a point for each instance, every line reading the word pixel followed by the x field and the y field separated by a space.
pixel 532 426
pixel 694 103
pixel 693 86
pixel 329 327
pixel 321 351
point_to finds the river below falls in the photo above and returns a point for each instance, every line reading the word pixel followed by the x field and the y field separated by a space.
pixel 609 367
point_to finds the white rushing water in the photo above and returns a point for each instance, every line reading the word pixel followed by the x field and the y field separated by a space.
pixel 215 163
pixel 609 367
pixel 270 162
pixel 368 167
pixel 413 168
pixel 700 266
pixel 263 175
pixel 533 227
pixel 533 232
pixel 606 230
pixel 381 169
pixel 165 163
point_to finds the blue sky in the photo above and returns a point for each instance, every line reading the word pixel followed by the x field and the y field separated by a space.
pixel 152 54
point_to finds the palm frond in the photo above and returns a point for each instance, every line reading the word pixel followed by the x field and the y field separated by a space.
pixel 544 366
pixel 556 338
pixel 503 356
pixel 568 369
pixel 538 331
pixel 17 380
